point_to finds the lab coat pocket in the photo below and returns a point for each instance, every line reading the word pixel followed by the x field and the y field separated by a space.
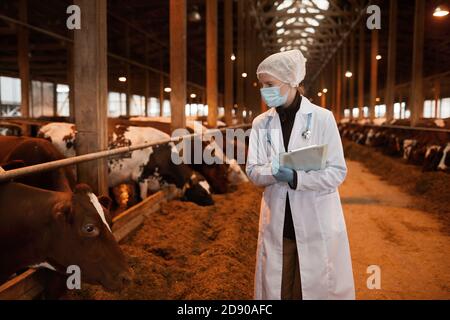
pixel 329 211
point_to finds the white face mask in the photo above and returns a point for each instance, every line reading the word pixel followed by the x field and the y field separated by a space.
pixel 272 96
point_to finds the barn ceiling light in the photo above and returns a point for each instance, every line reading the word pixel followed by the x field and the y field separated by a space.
pixel 441 11
pixel 290 20
pixel 279 24
pixel 285 4
pixel 348 74
pixel 193 95
pixel 322 4
pixel 378 57
pixel 324 90
pixel 312 22
pixel 167 89
pixel 233 57
pixel 244 74
pixel 123 79
pixel 194 15
pixel 377 99
pixel 312 10
pixel 319 94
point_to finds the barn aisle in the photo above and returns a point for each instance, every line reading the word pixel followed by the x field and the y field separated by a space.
pixel 192 252
pixel 387 229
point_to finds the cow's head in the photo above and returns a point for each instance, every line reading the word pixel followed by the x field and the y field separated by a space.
pixel 161 164
pixel 81 235
pixel 197 190
pixel 216 172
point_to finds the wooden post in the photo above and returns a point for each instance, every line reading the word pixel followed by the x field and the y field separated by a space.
pixel 391 61
pixel 323 97
pixel 416 96
pixel 247 82
pixel 161 85
pixel 240 60
pixel 361 71
pixel 332 89
pixel 339 76
pixel 146 80
pixel 228 63
pixel 24 60
pixel 400 101
pixel 351 95
pixel 211 61
pixel 55 100
pixel 373 73
pixel 344 94
pixel 70 82
pixel 90 86
pixel 437 94
pixel 128 69
pixel 178 62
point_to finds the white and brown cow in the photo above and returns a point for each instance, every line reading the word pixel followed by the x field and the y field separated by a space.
pixel 150 168
pixel 219 174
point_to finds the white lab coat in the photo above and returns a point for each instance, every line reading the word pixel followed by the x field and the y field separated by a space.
pixel 321 235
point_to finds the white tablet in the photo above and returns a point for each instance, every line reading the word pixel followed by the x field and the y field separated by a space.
pixel 307 158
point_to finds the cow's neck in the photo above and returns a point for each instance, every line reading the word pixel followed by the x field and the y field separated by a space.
pixel 25 224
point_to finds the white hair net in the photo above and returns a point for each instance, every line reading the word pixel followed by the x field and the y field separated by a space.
pixel 287 66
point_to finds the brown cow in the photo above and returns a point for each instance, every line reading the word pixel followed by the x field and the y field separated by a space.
pixel 25 151
pixel 59 229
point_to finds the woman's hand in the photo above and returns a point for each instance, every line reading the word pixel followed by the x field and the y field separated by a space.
pixel 282 174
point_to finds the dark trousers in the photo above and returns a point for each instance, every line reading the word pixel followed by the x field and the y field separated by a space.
pixel 291 288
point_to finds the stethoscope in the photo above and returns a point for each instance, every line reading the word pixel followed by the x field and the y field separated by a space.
pixel 306 134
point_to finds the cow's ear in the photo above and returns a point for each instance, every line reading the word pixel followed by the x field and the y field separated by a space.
pixel 62 211
pixel 105 201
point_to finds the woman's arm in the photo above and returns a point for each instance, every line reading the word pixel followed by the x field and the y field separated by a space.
pixel 259 169
pixel 336 169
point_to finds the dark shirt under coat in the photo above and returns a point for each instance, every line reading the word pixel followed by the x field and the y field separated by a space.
pixel 287 119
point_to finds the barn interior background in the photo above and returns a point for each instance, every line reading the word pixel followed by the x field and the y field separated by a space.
pixel 159 65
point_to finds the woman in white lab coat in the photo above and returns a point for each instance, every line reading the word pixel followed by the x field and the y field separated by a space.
pixel 313 260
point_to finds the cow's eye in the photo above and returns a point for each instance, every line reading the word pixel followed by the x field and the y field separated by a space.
pixel 90 230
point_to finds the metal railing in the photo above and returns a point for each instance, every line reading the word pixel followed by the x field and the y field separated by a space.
pixel 52 165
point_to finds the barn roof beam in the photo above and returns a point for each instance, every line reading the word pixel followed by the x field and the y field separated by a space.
pixel 66 39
